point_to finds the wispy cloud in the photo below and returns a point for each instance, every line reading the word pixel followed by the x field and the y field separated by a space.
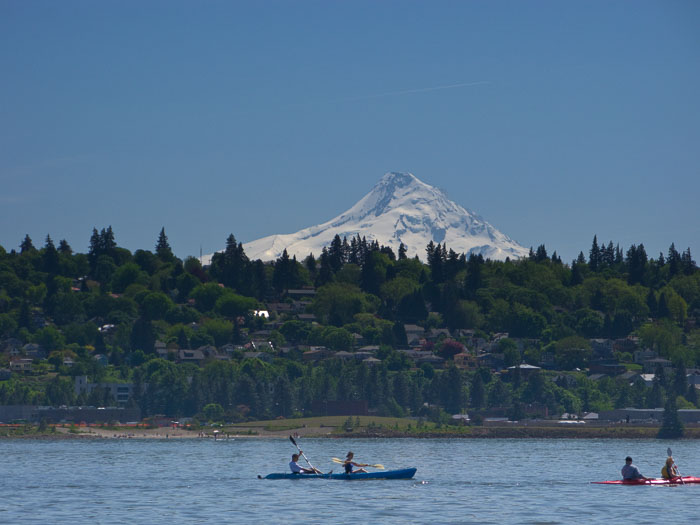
pixel 421 90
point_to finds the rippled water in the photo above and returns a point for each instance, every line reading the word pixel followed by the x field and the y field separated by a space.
pixel 458 481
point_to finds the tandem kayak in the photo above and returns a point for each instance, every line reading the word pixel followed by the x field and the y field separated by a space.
pixel 406 473
pixel 651 481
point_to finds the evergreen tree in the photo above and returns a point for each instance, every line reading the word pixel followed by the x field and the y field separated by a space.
pixel 594 256
pixel 286 273
pixel 680 380
pixel 692 395
pixel 688 265
pixel 662 310
pixel 608 255
pixel 477 391
pixel 541 254
pixel 402 252
pixel 473 281
pixel 163 250
pixel 652 303
pixel 325 274
pixel 50 257
pixel 336 254
pixel 107 241
pixel 576 275
pixel 95 249
pixel 672 427
pixel 64 248
pixel 618 255
pixel 27 245
pixel 636 264
pixel 674 260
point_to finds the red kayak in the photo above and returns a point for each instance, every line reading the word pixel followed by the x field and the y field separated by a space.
pixel 659 481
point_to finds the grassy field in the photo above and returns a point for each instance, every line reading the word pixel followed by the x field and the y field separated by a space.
pixel 371 426
pixel 329 424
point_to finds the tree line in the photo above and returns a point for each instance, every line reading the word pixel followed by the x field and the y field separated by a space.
pixel 116 303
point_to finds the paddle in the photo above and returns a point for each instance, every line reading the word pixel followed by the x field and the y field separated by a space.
pixel 378 465
pixel 670 454
pixel 304 455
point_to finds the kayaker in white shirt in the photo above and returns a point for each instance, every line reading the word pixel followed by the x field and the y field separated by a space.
pixel 296 468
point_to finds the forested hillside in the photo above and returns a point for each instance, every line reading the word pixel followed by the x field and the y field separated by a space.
pixel 101 314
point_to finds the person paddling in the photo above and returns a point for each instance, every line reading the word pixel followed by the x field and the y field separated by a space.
pixel 630 472
pixel 669 470
pixel 349 463
pixel 296 468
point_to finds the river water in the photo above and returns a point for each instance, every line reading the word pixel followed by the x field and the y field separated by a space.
pixel 495 481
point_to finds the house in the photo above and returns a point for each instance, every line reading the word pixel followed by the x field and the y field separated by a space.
pixel 262 345
pixel 34 351
pixel 694 377
pixel 438 333
pixel 372 361
pixel 21 364
pixel 466 361
pixel 229 348
pixel 602 347
pixel 644 355
pixel 314 354
pixel 650 365
pixel 413 353
pixel 635 377
pixel 569 381
pixel 344 356
pixel 525 370
pixel 494 361
pixel 609 367
pixel 627 344
pixel 208 351
pixel 414 333
pixel 10 344
pixel 302 293
pixel 279 308
pixel 121 392
pixel 307 318
pixel 190 356
pixel 432 359
pixel 267 357
pixel 597 377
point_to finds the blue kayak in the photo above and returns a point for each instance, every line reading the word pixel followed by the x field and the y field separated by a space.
pixel 406 473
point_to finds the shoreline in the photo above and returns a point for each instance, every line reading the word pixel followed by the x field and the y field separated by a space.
pixel 261 432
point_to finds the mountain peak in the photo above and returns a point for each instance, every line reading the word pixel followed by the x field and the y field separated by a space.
pixel 400 208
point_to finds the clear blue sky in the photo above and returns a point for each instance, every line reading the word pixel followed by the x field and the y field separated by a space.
pixel 554 120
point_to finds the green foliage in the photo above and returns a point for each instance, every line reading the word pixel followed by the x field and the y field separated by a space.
pixel 337 303
pixel 127 302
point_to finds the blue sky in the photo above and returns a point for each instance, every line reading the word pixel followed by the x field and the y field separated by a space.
pixel 554 120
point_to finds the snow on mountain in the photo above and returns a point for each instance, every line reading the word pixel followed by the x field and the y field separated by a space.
pixel 399 209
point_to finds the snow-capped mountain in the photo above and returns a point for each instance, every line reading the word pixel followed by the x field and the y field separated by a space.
pixel 399 209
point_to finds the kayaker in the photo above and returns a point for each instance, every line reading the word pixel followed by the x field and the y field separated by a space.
pixel 296 468
pixel 349 463
pixel 669 470
pixel 629 471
